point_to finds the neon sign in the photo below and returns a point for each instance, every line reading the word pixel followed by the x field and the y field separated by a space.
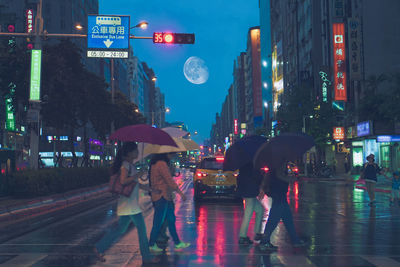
pixel 325 83
pixel 339 61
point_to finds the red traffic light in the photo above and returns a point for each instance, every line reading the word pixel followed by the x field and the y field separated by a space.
pixel 173 38
pixel 168 38
pixel 29 46
pixel 11 28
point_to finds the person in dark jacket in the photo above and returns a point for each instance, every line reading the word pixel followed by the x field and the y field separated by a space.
pixel 248 187
pixel 276 185
pixel 369 173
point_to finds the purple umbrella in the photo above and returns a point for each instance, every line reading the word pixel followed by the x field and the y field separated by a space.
pixel 143 133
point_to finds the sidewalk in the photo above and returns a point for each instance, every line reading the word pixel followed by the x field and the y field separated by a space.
pixel 383 185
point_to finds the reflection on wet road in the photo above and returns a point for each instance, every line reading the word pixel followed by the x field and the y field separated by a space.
pixel 335 219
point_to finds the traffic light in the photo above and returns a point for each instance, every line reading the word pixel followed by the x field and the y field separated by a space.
pixel 11 28
pixel 173 38
pixel 11 41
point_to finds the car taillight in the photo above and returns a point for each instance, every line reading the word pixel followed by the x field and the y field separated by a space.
pixel 295 169
pixel 265 169
pixel 220 159
pixel 201 174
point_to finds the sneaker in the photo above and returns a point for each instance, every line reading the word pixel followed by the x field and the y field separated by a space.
pixel 299 244
pixel 182 245
pixel 257 238
pixel 245 241
pixel 268 247
pixel 155 248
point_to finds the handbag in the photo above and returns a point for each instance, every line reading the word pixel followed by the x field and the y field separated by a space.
pixel 116 187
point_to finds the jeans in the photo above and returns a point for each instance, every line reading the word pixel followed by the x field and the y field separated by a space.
pixel 116 232
pixel 163 210
pixel 251 205
pixel 280 210
pixel 370 189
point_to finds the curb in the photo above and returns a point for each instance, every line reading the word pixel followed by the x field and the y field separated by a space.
pixel 44 204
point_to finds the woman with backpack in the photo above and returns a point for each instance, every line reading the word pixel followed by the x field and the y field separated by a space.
pixel 369 174
pixel 128 208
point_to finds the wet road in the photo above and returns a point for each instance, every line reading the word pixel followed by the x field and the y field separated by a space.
pixel 340 227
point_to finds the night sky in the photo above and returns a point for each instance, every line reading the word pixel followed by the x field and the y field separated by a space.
pixel 221 34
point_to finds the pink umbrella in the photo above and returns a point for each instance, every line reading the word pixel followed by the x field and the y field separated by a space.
pixel 143 133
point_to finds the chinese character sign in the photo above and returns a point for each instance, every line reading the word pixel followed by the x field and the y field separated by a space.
pixel 354 39
pixel 36 62
pixel 339 61
pixel 235 126
pixel 338 133
pixel 108 32
pixel 29 20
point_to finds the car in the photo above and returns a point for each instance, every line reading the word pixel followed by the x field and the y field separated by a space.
pixel 209 179
pixel 292 169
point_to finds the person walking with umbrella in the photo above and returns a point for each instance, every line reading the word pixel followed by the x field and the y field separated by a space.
pixel 275 154
pixel 164 209
pixel 276 185
pixel 240 156
pixel 128 208
pixel 248 187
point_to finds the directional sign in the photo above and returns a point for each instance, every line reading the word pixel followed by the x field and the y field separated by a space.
pixel 108 32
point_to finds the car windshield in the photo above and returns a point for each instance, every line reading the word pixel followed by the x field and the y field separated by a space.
pixel 211 164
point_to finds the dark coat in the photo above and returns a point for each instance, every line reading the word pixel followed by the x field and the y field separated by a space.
pixel 248 182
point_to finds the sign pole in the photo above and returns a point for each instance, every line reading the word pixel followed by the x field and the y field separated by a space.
pixel 35 105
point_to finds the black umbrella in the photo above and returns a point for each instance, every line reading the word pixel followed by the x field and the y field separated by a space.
pixel 285 147
pixel 242 152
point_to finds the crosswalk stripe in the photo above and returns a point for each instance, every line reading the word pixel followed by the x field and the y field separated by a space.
pixel 382 261
pixel 294 260
pixel 25 259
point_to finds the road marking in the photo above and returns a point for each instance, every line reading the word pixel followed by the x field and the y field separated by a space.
pixel 25 259
pixel 382 261
pixel 294 260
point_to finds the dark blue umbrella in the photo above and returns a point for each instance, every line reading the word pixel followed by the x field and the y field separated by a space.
pixel 242 152
pixel 285 147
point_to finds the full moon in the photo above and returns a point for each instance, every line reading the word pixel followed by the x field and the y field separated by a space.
pixel 195 70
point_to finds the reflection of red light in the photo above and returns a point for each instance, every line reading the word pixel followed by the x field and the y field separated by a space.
pixel 265 169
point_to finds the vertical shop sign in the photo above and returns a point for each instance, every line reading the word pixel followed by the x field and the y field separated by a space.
pixel 36 62
pixel 354 31
pixel 339 61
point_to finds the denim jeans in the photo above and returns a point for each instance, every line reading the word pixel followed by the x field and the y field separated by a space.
pixel 251 205
pixel 280 210
pixel 116 232
pixel 163 210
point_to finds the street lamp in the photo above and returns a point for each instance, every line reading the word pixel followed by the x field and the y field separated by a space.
pixel 154 79
pixel 79 27
pixel 143 25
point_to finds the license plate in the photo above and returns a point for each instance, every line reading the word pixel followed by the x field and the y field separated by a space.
pixel 220 179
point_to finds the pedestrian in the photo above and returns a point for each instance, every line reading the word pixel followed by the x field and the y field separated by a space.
pixel 369 174
pixel 164 207
pixel 395 193
pixel 276 185
pixel 248 188
pixel 128 208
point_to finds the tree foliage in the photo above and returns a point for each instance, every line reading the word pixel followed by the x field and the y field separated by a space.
pixel 299 103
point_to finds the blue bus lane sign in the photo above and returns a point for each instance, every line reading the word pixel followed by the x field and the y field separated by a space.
pixel 108 36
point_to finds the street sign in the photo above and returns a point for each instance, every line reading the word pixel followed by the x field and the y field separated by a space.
pixel 108 33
